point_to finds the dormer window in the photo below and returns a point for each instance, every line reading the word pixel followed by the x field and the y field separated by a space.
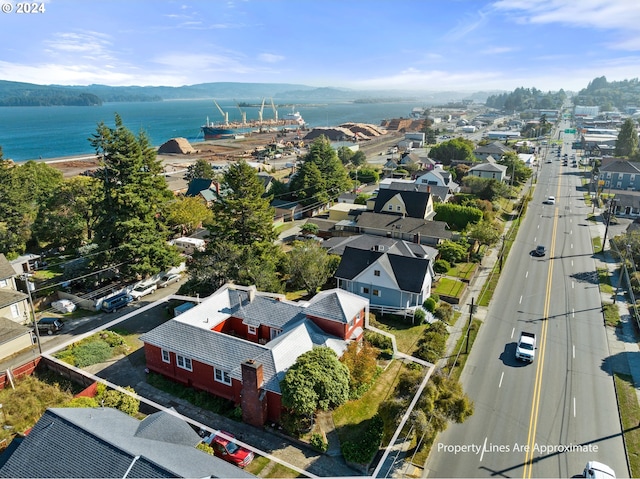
pixel 251 330
pixel 376 272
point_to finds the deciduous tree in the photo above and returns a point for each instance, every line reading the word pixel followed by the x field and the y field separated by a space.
pixel 627 142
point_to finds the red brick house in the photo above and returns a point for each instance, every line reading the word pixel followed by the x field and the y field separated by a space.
pixel 238 343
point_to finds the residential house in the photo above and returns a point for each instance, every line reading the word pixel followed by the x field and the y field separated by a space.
pixel 489 169
pixel 287 210
pixel 203 188
pixel 439 177
pixel 343 211
pixel 105 442
pixel 496 149
pixel 439 194
pixel 14 304
pixel 627 204
pixel 337 245
pixel 620 175
pixel 412 203
pixel 418 230
pixel 238 343
pixel 267 180
pixel 385 278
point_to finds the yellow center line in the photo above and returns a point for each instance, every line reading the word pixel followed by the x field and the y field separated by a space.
pixel 541 343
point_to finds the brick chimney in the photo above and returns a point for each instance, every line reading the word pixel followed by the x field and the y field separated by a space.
pixel 253 400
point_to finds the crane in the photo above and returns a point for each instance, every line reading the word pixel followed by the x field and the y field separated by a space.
pixel 224 114
pixel 275 112
pixel 243 114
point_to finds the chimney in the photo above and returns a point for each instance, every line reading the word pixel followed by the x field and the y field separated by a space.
pixel 252 293
pixel 253 400
pixel 428 188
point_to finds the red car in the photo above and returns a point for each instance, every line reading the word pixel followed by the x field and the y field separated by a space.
pixel 229 450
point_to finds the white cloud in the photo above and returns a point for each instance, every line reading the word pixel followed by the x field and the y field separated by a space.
pixel 497 50
pixel 601 14
pixel 270 58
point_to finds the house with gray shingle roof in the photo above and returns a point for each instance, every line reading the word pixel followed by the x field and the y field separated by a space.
pixel 417 230
pixel 620 175
pixel 239 343
pixel 105 442
pixel 495 149
pixel 490 169
pixel 385 278
pixel 438 177
pixel 412 203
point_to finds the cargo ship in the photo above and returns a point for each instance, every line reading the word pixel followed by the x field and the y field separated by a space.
pixel 212 131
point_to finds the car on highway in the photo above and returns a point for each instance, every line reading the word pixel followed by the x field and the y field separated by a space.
pixel 597 470
pixel 142 289
pixel 229 450
pixel 551 200
pixel 540 251
pixel 168 279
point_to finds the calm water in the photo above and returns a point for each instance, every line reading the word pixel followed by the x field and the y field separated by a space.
pixel 50 132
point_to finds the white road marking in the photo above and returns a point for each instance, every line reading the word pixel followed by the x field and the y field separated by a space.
pixel 513 331
pixel 483 447
pixel 574 406
pixel 574 351
pixel 501 377
pixel 520 302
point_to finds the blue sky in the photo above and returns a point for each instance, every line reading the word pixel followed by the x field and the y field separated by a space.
pixel 436 45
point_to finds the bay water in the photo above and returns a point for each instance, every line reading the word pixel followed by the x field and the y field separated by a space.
pixel 31 133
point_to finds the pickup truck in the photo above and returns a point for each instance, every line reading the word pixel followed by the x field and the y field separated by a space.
pixel 526 348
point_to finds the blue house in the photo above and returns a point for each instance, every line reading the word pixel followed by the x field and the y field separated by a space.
pixel 385 278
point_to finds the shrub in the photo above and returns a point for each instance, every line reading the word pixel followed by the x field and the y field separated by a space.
pixel 317 441
pixel 441 266
pixel 420 315
pixel 362 451
pixel 90 353
pixel 444 312
pixel 429 304
pixel 378 340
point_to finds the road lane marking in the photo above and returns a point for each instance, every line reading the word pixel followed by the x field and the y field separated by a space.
pixel 574 351
pixel 501 378
pixel 513 331
pixel 526 275
pixel 535 406
pixel 520 302
pixel 574 406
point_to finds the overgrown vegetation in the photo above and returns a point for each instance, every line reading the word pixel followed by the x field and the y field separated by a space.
pixel 95 349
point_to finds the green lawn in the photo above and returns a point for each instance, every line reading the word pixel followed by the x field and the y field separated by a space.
pixel 630 415
pixel 463 271
pixel 449 287
pixel 406 333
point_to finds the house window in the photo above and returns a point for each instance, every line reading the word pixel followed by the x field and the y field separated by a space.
pixel 376 272
pixel 166 357
pixel 376 292
pixel 183 362
pixel 252 329
pixel 275 332
pixel 365 290
pixel 398 208
pixel 3 283
pixel 15 311
pixel 608 175
pixel 632 178
pixel 619 185
pixel 390 207
pixel 222 376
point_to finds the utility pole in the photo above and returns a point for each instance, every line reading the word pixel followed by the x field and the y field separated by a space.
pixel 33 313
pixel 472 309
pixel 612 203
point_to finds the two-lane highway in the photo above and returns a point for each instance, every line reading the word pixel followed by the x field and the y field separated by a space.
pixel 547 418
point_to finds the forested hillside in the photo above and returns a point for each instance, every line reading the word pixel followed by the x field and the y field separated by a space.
pixel 522 99
pixel 610 95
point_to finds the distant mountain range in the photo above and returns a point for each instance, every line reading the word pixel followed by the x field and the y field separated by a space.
pixel 30 94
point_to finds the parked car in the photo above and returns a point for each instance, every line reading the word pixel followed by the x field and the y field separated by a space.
pixel 168 279
pixel 115 302
pixel 64 306
pixel 49 326
pixel 229 450
pixel 142 289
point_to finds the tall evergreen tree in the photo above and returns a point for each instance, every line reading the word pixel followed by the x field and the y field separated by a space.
pixel 129 231
pixel 322 176
pixel 627 142
pixel 241 214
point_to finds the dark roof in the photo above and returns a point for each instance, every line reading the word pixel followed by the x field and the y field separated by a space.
pixel 415 202
pixel 104 442
pixel 6 270
pixel 197 185
pixel 285 205
pixel 408 272
pixel 622 166
pixel 390 223
pixel 337 245
pixel 10 330
pixel 10 296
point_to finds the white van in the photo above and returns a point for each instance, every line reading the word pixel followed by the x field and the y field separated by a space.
pixel 597 470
